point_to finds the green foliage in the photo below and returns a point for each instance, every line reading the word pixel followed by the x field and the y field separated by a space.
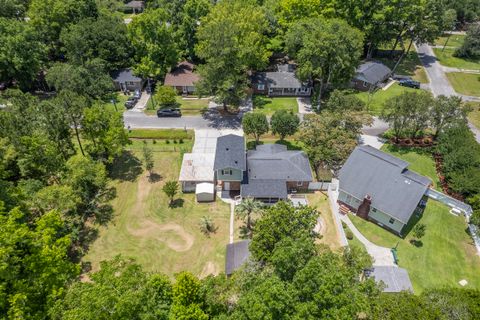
pixel 291 255
pixel 170 189
pixel 447 112
pixel 278 222
pixel 207 225
pixel 342 101
pixel 231 40
pixel 148 158
pixel 104 38
pixel 21 54
pixel 284 123
pixel 161 134
pixel 186 298
pixel 154 43
pixel 246 209
pixel 349 235
pixel 255 124
pixel 120 290
pixel 166 97
pixel 419 231
pixel 13 8
pixel 471 46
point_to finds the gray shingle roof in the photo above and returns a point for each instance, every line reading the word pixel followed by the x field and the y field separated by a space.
pixel 372 72
pixel 394 189
pixel 394 279
pixel 278 79
pixel 260 188
pixel 237 255
pixel 274 161
pixel 135 4
pixel 230 153
pixel 125 75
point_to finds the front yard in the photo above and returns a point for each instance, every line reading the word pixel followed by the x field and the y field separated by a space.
pixel 446 256
pixel 377 99
pixel 474 115
pixel 161 238
pixel 188 106
pixel 447 59
pixel 465 83
pixel 268 105
pixel 409 66
pixel 455 40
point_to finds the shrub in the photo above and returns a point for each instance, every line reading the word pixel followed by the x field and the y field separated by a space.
pixel 154 141
pixel 180 141
pixel 349 235
pixel 167 141
pixel 175 141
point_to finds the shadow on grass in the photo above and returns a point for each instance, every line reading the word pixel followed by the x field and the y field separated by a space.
pixel 126 167
pixel 154 177
pixel 177 203
pixel 259 102
pixel 426 151
pixel 417 243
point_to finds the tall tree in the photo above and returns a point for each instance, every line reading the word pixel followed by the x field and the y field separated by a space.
pixel 284 123
pixel 327 51
pixel 153 40
pixel 447 112
pixel 231 40
pixel 471 46
pixel 255 124
pixel 13 8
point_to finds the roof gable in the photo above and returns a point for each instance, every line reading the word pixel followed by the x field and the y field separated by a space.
pixel 393 188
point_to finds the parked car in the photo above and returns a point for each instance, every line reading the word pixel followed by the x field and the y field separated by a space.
pixel 137 94
pixel 410 83
pixel 169 113
pixel 131 102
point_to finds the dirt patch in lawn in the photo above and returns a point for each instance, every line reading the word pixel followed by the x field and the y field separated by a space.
pixel 210 268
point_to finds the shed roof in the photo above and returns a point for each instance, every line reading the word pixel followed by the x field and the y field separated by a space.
pixel 205 187
pixel 395 279
pixel 135 4
pixel 197 167
pixel 372 72
pixel 230 153
pixel 124 75
pixel 182 75
pixel 237 255
pixel 393 188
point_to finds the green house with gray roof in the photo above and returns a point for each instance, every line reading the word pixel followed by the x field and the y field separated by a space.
pixel 379 187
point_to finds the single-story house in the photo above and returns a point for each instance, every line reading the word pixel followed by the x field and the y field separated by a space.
pixel 282 82
pixel 205 192
pixel 124 80
pixel 196 168
pixel 379 187
pixel 268 173
pixel 392 278
pixel 135 6
pixel 237 255
pixel 370 75
pixel 182 78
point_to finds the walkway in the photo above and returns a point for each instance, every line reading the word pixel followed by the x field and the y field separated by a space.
pixel 142 102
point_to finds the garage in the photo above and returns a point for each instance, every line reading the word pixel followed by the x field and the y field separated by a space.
pixel 205 192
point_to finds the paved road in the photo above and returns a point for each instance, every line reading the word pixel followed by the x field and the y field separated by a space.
pixel 439 83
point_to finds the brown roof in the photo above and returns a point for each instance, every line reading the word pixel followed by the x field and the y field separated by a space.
pixel 182 75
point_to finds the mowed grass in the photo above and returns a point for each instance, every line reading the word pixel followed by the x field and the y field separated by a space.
pixel 409 66
pixel 474 115
pixel 455 40
pixel 446 256
pixel 377 99
pixel 330 236
pixel 465 83
pixel 160 238
pixel 421 161
pixel 189 107
pixel 161 134
pixel 447 59
pixel 268 106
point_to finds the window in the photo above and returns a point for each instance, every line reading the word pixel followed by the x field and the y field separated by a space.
pixel 299 183
pixel 374 210
pixel 391 221
pixel 261 87
pixel 365 84
pixel 227 172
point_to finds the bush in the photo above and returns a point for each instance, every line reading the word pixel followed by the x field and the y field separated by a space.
pixel 180 141
pixel 167 141
pixel 166 97
pixel 349 235
pixel 154 141
pixel 175 141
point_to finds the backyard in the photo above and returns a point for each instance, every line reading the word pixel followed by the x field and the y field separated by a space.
pixel 161 238
pixel 268 106
pixel 376 100
pixel 446 256
pixel 465 83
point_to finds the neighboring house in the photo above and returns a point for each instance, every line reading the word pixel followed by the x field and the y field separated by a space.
pixel 379 187
pixel 135 6
pixel 393 279
pixel 182 78
pixel 125 80
pixel 273 172
pixel 237 255
pixel 370 75
pixel 283 82
pixel 196 168
pixel 230 162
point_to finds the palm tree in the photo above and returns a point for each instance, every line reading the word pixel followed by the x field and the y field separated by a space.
pixel 245 209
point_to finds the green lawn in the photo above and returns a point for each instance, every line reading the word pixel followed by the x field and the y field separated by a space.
pixel 409 66
pixel 189 107
pixel 329 232
pixel 269 105
pixel 160 238
pixel 465 83
pixel 161 134
pixel 421 161
pixel 376 100
pixel 446 256
pixel 447 59
pixel 120 99
pixel 474 115
pixel 456 40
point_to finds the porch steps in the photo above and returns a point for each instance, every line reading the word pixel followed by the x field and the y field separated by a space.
pixel 344 209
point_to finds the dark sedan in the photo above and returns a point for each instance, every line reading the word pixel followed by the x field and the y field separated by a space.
pixel 169 113
pixel 409 83
pixel 130 103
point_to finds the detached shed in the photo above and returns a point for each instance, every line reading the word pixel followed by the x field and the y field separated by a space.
pixel 205 192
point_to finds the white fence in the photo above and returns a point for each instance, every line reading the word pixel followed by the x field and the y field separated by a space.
pixel 321 186
pixel 332 197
